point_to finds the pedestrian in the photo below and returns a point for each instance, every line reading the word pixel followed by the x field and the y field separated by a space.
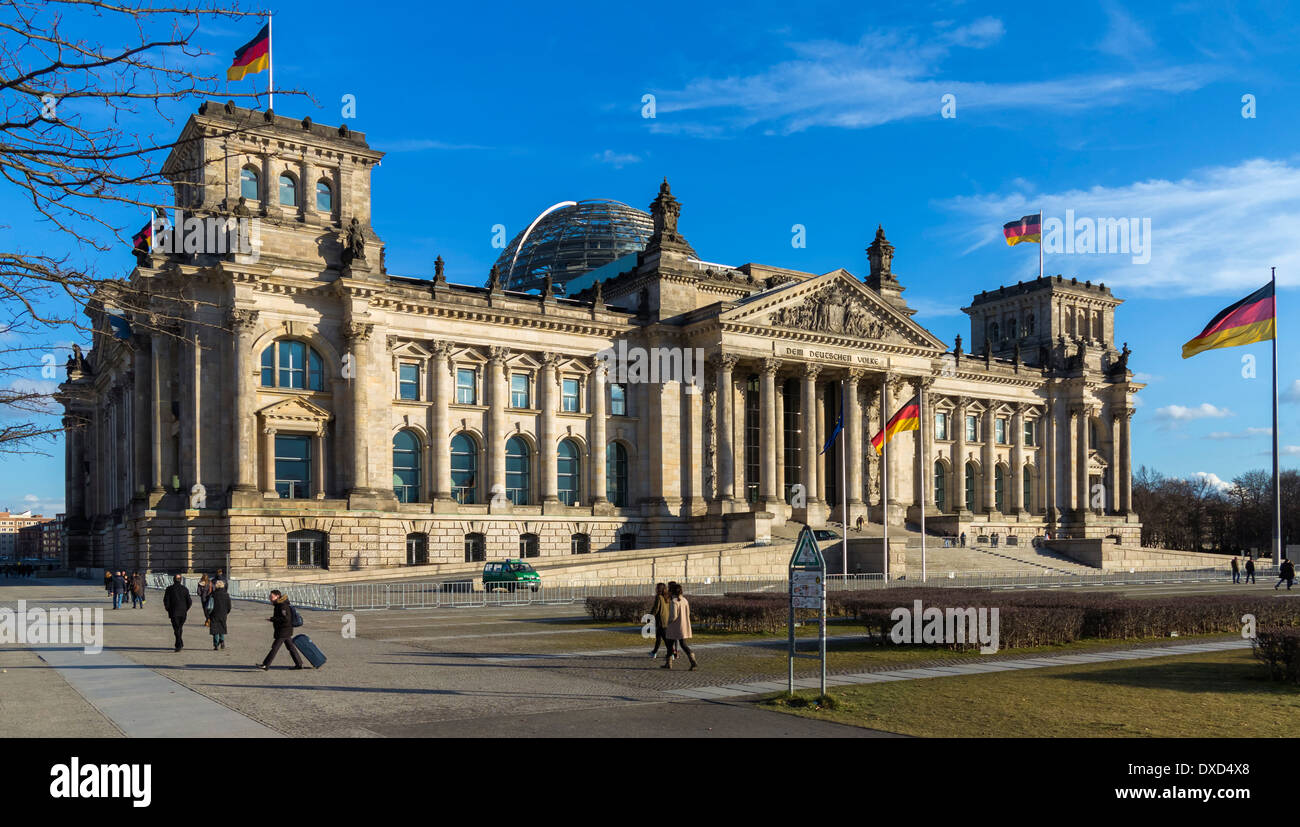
pixel 679 626
pixel 660 612
pixel 963 539
pixel 108 583
pixel 136 584
pixel 1286 573
pixel 282 622
pixel 217 614
pixel 1236 571
pixel 119 589
pixel 1250 569
pixel 204 590
pixel 177 602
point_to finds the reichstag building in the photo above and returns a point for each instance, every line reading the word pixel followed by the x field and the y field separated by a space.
pixel 304 408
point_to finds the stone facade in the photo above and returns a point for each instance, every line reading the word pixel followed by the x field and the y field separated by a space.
pixel 304 407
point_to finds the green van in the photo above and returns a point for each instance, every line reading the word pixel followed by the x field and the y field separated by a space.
pixel 510 575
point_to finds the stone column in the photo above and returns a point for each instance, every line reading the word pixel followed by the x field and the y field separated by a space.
pixel 548 400
pixel 306 187
pixel 318 463
pixel 268 460
pixel 770 486
pixel 498 399
pixel 596 439
pixel 1048 471
pixel 990 457
pixel 810 446
pixel 243 323
pixel 959 457
pixel 1082 494
pixel 780 438
pixel 74 459
pixel 1018 461
pixel 440 443
pixel 1125 462
pixel 855 432
pixel 357 335
pixel 725 432
pixel 141 432
pixel 159 399
pixel 270 187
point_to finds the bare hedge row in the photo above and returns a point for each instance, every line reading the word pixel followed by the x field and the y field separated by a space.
pixel 1279 650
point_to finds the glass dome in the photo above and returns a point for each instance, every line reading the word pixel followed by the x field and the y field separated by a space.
pixel 571 240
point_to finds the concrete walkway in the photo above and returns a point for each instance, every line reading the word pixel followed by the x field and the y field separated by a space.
pixel 735 690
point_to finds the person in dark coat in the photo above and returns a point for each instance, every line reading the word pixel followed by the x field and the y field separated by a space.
pixel 119 588
pixel 963 539
pixel 282 622
pixel 660 612
pixel 1236 571
pixel 108 583
pixel 204 590
pixel 217 614
pixel 177 602
pixel 1250 570
pixel 138 590
pixel 1286 573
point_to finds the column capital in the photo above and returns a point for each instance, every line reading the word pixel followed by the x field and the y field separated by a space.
pixel 440 349
pixel 770 366
pixel 550 360
pixel 497 355
pixel 242 320
pixel 357 332
pixel 724 361
pixel 812 370
pixel 854 375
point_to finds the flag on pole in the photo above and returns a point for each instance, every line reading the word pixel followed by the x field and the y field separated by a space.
pixel 908 418
pixel 1253 319
pixel 253 57
pixel 1025 229
pixel 143 240
pixel 839 426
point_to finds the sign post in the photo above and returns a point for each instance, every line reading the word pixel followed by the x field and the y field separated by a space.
pixel 807 591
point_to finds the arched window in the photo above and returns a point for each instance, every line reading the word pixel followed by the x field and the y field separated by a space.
pixel 1029 325
pixel 940 488
pixel 518 475
pixel 288 190
pixel 616 474
pixel 464 470
pixel 417 549
pixel 324 197
pixel 569 473
pixel 307 549
pixel 1029 490
pixel 580 544
pixel 528 545
pixel 406 467
pixel 248 184
pixel 475 548
pixel 292 364
pixel 970 486
pixel 999 489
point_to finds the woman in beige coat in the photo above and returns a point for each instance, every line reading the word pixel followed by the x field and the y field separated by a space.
pixel 679 625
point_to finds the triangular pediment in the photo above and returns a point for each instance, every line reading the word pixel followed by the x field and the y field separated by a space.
pixel 835 304
pixel 295 413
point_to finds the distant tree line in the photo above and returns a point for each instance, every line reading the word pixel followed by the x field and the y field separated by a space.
pixel 1196 515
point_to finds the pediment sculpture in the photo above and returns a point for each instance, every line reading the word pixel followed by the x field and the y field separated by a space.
pixel 836 309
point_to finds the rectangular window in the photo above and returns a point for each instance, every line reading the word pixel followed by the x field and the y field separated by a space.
pixel 519 390
pixel 292 466
pixel 1029 432
pixel 971 429
pixel 465 389
pixel 1000 431
pixel 626 542
pixel 617 399
pixel 941 426
pixel 408 381
pixel 571 400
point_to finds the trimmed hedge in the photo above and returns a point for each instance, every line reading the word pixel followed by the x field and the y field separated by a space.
pixel 1025 618
pixel 1279 650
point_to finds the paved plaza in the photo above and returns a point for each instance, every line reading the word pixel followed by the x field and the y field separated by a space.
pixel 491 671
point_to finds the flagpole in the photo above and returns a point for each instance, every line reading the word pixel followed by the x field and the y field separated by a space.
pixel 1277 486
pixel 270 67
pixel 884 471
pixel 920 448
pixel 1040 242
pixel 844 485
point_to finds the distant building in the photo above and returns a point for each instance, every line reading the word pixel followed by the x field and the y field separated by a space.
pixel 10 526
pixel 42 540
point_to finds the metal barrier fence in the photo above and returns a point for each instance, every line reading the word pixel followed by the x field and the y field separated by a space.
pixel 469 593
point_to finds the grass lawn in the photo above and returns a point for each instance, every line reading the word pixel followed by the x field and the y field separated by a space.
pixel 1221 694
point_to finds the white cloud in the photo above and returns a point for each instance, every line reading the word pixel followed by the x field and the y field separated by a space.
pixel 1292 393
pixel 617 159
pixel 1289 450
pixel 1179 413
pixel 1246 434
pixel 1146 378
pixel 1124 37
pixel 45 506
pixel 888 76
pixel 1256 203
pixel 423 144
pixel 1213 479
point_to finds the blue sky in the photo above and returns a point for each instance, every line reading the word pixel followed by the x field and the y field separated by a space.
pixel 828 115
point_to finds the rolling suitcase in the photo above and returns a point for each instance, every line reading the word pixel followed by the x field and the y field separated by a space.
pixel 309 651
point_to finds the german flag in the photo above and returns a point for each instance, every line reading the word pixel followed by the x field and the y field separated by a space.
pixel 253 57
pixel 1253 319
pixel 1028 228
pixel 143 240
pixel 908 418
